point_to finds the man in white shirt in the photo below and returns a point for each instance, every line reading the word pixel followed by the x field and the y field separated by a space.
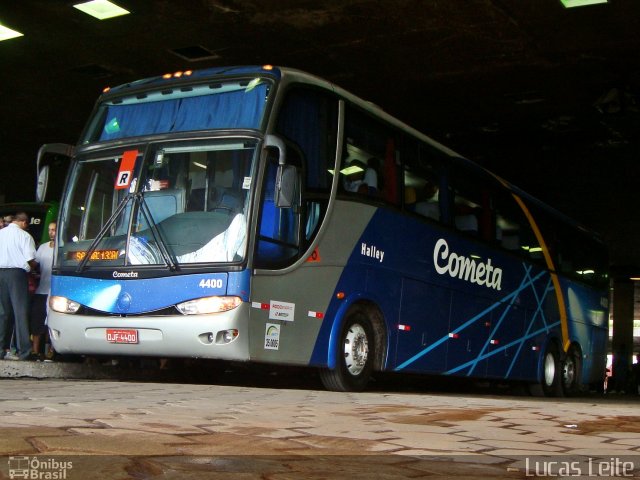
pixel 44 257
pixel 17 254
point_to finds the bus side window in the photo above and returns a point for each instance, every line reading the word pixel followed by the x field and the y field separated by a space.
pixel 422 179
pixel 575 253
pixel 372 146
pixel 308 119
pixel 315 210
pixel 513 230
pixel 472 209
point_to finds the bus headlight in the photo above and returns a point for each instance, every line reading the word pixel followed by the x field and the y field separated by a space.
pixel 208 305
pixel 63 305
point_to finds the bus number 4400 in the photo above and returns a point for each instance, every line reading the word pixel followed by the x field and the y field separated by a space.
pixel 210 283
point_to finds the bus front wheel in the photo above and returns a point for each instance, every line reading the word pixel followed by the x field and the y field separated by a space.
pixel 355 355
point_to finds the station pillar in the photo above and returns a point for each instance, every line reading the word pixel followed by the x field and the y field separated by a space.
pixel 622 340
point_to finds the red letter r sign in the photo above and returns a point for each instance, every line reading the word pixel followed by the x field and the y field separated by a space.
pixel 125 174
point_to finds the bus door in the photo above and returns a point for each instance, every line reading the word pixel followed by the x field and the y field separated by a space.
pixel 421 342
pixel 506 345
pixel 469 328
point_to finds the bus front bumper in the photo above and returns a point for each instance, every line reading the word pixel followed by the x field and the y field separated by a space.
pixel 221 336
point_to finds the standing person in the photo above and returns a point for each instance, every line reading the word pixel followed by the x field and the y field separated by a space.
pixel 17 254
pixel 5 221
pixel 44 258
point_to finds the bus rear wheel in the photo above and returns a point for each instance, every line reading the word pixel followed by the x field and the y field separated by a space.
pixel 355 355
pixel 551 372
pixel 571 372
pixel 550 382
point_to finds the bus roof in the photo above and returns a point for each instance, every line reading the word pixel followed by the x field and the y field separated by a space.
pixel 290 75
pixel 193 76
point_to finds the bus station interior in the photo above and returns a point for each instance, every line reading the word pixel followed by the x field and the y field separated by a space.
pixel 545 96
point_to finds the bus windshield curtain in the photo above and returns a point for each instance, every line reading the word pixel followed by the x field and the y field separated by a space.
pixel 239 109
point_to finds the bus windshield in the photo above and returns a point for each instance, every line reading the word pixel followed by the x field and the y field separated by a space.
pixel 214 105
pixel 187 203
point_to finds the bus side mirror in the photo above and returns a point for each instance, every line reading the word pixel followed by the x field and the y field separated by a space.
pixel 286 186
pixel 53 161
pixel 43 182
pixel 272 141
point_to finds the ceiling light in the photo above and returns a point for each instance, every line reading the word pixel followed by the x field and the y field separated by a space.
pixel 6 33
pixel 194 53
pixel 580 3
pixel 101 9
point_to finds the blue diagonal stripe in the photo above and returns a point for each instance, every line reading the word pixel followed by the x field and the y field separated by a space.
pixel 469 322
pixel 527 271
pixel 503 348
pixel 531 323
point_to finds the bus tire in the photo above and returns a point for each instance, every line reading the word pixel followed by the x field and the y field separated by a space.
pixel 355 355
pixel 550 382
pixel 571 371
pixel 551 378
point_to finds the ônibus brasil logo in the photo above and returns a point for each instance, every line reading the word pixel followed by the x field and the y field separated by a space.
pixel 38 468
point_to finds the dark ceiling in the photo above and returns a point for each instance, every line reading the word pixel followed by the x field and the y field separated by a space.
pixel 545 96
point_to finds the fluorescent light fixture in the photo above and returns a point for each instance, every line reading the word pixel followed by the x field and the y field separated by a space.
pixel 350 170
pixel 101 9
pixel 6 33
pixel 580 3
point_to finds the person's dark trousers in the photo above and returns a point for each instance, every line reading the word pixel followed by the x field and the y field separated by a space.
pixel 14 294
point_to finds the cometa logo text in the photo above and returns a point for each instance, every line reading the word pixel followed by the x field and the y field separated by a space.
pixel 465 268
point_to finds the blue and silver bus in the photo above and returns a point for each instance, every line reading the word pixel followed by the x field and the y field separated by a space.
pixel 262 214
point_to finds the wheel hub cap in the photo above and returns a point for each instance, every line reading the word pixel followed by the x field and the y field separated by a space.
pixel 356 349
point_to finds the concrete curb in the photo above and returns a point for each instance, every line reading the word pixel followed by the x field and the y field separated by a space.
pixel 48 370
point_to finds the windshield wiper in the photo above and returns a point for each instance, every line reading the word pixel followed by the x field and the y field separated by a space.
pixel 138 199
pixel 111 220
pixel 146 213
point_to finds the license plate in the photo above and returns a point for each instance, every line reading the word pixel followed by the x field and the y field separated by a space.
pixel 117 335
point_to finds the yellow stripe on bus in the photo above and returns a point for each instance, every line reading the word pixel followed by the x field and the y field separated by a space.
pixel 552 270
